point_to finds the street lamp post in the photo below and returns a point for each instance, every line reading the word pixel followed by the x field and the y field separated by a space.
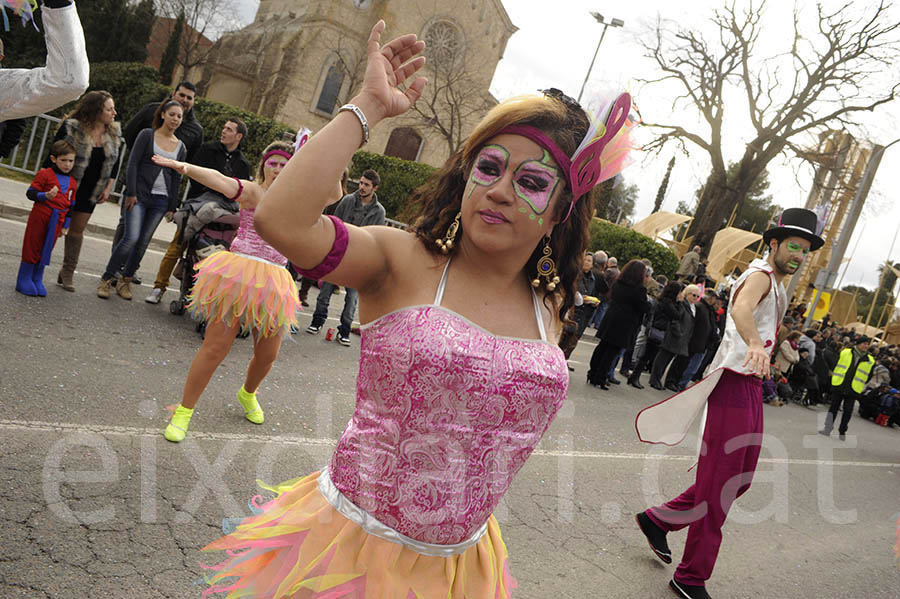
pixel 599 18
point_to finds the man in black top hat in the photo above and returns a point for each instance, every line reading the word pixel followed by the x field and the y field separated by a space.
pixel 732 394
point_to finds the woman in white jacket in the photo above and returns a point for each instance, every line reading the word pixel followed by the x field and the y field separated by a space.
pixel 788 353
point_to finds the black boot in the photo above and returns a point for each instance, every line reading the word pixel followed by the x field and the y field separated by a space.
pixel 688 591
pixel 655 536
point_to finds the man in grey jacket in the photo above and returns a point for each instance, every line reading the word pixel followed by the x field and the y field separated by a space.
pixel 360 208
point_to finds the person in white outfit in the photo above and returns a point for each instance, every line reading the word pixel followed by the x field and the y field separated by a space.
pixel 28 92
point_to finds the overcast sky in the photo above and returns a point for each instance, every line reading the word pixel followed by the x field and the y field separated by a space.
pixel 554 46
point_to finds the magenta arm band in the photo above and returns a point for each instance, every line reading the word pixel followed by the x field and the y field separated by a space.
pixel 334 257
pixel 239 191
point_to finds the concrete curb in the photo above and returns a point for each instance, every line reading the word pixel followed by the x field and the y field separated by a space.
pixel 20 214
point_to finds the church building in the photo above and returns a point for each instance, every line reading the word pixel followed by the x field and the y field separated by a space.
pixel 300 60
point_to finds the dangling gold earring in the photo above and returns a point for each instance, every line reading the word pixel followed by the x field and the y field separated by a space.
pixel 446 244
pixel 546 268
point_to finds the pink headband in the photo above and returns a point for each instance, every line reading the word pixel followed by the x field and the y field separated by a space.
pixel 276 153
pixel 585 170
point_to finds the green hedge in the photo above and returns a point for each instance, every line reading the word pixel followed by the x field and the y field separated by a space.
pixel 133 85
pixel 626 245
pixel 398 178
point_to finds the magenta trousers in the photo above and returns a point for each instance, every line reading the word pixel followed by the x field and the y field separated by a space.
pixel 731 445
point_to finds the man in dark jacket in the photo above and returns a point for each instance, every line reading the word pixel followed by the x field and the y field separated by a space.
pixel 580 314
pixel 224 156
pixel 190 132
pixel 603 290
pixel 675 342
pixel 360 208
pixel 703 337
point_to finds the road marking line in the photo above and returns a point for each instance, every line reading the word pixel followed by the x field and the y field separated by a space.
pixel 330 443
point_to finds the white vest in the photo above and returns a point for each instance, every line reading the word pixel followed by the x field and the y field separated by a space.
pixel 767 315
pixel 669 421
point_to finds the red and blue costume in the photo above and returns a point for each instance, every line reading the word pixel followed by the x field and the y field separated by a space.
pixel 49 216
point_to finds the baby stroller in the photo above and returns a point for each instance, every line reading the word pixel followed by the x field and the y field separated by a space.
pixel 208 229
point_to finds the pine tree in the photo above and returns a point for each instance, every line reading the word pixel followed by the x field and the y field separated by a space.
pixel 170 55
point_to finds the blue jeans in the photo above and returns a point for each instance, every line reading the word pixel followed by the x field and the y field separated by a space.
pixel 598 314
pixel 321 313
pixel 140 223
pixel 691 369
pixel 612 368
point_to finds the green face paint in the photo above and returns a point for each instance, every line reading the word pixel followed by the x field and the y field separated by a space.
pixel 795 248
pixel 531 216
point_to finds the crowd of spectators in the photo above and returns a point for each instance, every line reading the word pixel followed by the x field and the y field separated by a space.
pixel 672 330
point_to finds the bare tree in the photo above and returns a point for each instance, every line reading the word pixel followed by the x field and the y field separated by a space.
pixel 351 59
pixel 820 82
pixel 203 19
pixel 452 100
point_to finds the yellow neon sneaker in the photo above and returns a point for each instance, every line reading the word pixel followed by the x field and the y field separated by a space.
pixel 178 427
pixel 252 411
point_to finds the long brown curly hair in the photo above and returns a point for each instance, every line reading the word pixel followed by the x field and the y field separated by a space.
pixel 440 198
pixel 87 110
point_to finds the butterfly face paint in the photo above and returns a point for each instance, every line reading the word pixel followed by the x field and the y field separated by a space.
pixel 535 182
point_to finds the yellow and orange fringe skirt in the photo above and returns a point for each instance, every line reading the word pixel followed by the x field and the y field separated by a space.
pixel 235 288
pixel 299 546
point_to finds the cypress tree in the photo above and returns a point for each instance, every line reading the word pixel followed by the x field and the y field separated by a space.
pixel 170 55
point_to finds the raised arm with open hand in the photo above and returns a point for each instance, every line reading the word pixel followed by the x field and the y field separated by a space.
pixel 227 186
pixel 291 217
pixel 387 67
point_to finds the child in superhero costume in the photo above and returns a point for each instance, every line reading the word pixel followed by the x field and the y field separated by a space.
pixel 53 194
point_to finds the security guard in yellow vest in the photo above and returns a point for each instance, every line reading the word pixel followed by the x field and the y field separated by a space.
pixel 851 373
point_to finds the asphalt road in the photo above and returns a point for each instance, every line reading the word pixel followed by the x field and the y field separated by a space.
pixel 95 503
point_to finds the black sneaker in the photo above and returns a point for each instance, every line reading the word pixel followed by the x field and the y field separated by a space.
pixel 313 330
pixel 655 536
pixel 688 591
pixel 135 280
pixel 613 380
pixel 344 340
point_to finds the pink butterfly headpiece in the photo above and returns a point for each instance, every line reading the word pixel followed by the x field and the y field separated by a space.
pixel 601 155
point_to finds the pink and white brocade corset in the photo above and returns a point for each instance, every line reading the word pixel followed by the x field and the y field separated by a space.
pixel 248 242
pixel 446 415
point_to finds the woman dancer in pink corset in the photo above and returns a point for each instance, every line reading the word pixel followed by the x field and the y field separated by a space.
pixel 459 374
